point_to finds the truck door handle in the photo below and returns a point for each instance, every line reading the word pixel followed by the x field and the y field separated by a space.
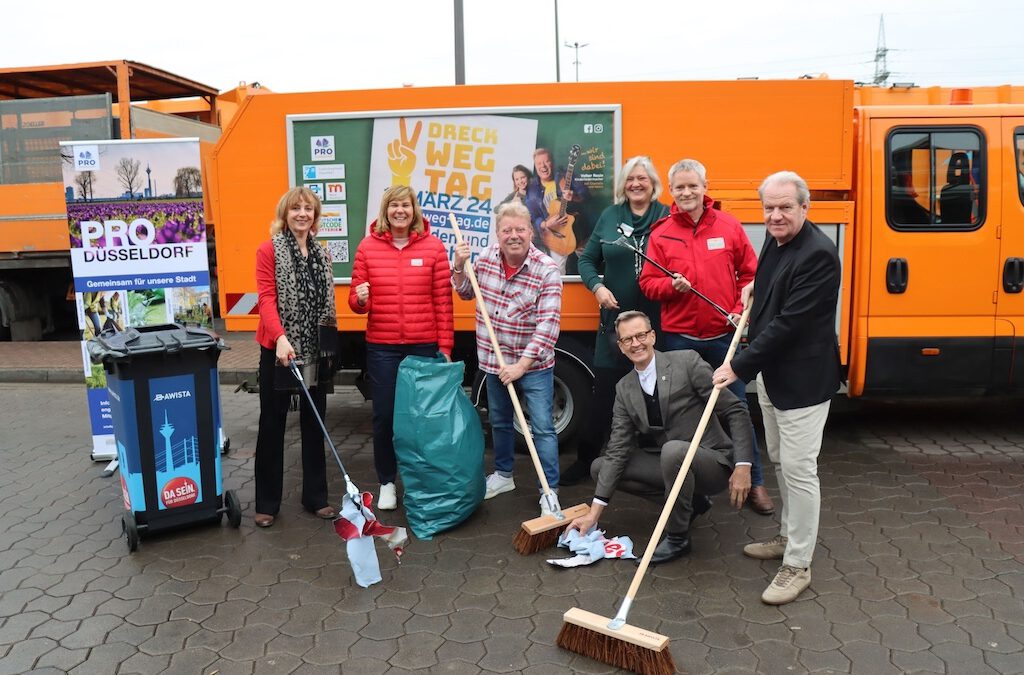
pixel 897 273
pixel 1013 275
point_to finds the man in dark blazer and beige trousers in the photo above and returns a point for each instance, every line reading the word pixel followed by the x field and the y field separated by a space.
pixel 657 408
pixel 794 354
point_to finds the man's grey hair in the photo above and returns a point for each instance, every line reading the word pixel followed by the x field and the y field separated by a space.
pixel 645 163
pixel 688 165
pixel 629 316
pixel 803 195
pixel 512 209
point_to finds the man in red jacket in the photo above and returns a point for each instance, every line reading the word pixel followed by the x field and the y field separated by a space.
pixel 709 252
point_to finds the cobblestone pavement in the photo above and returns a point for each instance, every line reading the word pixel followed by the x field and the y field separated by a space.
pixel 920 566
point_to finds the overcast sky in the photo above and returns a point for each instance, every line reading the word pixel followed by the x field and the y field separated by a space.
pixel 338 44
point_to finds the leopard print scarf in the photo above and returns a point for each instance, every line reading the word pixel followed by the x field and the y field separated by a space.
pixel 305 293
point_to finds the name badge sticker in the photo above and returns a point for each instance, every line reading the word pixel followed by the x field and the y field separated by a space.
pixel 716 243
pixel 416 262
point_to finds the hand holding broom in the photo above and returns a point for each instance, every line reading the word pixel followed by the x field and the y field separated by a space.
pixel 540 532
pixel 613 641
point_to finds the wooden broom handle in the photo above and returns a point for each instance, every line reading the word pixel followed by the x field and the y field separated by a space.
pixel 468 269
pixel 698 435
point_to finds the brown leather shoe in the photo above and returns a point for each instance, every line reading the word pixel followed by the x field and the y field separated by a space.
pixel 760 502
pixel 264 520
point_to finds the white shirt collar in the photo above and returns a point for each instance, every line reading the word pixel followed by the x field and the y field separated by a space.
pixel 648 377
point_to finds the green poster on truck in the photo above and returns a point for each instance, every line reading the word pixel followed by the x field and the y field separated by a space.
pixel 464 161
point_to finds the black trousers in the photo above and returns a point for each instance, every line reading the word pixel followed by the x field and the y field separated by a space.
pixel 382 362
pixel 651 472
pixel 270 443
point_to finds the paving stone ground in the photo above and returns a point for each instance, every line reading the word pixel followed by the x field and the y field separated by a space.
pixel 920 565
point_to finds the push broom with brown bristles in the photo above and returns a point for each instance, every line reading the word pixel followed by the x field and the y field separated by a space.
pixel 539 533
pixel 613 641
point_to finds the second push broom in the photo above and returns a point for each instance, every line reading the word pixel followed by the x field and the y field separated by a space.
pixel 613 641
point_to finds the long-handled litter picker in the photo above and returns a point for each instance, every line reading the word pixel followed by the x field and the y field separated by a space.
pixel 356 523
pixel 350 488
pixel 539 533
pixel 613 641
pixel 624 243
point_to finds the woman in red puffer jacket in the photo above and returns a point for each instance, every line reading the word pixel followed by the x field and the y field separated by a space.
pixel 402 279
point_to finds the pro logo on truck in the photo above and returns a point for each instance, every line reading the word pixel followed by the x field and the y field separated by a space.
pixel 321 148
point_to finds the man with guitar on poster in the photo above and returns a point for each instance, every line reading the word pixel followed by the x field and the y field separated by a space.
pixel 552 198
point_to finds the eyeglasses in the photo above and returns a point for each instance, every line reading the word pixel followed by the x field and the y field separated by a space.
pixel 639 337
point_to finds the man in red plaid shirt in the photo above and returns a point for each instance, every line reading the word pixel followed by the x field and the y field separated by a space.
pixel 522 289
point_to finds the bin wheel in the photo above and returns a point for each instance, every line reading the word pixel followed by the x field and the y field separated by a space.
pixel 131 532
pixel 234 508
pixel 227 446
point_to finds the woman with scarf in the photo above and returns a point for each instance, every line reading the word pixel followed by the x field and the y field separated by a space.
pixel 634 212
pixel 297 322
pixel 401 279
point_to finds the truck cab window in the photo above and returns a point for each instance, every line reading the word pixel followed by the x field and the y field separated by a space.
pixel 1019 153
pixel 935 180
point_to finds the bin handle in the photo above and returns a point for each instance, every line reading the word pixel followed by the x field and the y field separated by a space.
pixel 173 344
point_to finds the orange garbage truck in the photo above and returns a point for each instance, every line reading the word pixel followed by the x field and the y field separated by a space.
pixel 922 190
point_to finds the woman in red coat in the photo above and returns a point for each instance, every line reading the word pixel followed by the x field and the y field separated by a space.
pixel 401 278
pixel 297 322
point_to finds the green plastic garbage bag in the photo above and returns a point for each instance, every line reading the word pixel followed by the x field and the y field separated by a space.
pixel 439 443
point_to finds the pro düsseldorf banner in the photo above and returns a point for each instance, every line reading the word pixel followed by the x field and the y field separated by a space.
pixel 138 247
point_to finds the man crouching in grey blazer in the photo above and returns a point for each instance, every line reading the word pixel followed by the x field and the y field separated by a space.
pixel 657 409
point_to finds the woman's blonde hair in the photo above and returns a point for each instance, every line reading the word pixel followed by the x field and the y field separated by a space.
pixel 397 193
pixel 296 195
pixel 645 163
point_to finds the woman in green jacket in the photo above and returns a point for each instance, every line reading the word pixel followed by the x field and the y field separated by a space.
pixel 636 209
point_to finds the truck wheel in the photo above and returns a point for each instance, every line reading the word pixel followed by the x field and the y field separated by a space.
pixel 572 392
pixel 234 508
pixel 131 532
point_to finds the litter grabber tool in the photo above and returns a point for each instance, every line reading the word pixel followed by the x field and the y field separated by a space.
pixel 613 641
pixel 538 533
pixel 356 523
pixel 624 243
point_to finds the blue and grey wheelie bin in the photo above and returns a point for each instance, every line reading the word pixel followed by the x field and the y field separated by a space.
pixel 165 409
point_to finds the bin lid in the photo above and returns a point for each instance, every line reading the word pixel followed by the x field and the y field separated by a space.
pixel 163 339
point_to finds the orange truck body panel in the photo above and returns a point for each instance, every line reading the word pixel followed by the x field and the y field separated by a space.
pixel 833 133
pixel 37 218
pixel 741 130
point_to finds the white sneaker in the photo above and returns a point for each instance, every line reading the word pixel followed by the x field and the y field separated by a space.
pixel 545 510
pixel 496 484
pixel 387 501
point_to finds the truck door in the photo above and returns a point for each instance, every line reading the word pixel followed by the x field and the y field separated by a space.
pixel 1010 304
pixel 932 289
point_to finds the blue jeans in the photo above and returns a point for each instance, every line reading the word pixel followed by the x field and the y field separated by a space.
pixel 382 363
pixel 536 394
pixel 713 352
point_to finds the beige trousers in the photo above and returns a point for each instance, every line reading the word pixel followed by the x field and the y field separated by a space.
pixel 793 438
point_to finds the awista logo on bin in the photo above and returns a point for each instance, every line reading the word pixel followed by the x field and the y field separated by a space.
pixel 170 396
